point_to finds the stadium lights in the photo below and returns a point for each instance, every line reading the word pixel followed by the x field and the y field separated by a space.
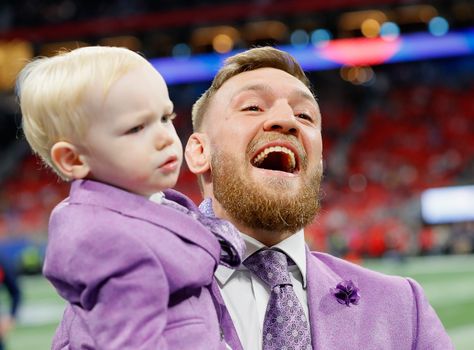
pixel 358 75
pixel 389 31
pixel 370 28
pixel 181 50
pixel 299 38
pixel 438 26
pixel 320 37
pixel 222 43
pixel 337 53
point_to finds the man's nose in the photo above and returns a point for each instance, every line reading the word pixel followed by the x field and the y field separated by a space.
pixel 282 119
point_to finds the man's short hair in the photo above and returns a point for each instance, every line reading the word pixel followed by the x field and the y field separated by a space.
pixel 260 57
pixel 52 91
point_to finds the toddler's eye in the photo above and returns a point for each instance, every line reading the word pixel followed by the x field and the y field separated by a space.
pixel 168 117
pixel 135 129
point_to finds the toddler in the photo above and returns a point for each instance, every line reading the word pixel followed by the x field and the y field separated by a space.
pixel 136 271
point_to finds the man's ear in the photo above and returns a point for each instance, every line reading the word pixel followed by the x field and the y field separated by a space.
pixel 69 161
pixel 197 153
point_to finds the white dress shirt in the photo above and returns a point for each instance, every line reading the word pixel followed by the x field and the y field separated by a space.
pixel 246 296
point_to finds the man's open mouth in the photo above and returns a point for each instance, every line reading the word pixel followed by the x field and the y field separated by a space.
pixel 277 158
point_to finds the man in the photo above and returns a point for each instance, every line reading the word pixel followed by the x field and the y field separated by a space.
pixel 257 150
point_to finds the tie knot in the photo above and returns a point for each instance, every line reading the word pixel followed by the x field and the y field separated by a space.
pixel 271 266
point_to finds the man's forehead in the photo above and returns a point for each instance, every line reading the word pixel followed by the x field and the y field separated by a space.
pixel 266 80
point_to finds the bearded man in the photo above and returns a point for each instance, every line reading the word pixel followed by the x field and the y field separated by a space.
pixel 257 151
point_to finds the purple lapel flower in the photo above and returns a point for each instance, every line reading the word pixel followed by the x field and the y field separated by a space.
pixel 346 293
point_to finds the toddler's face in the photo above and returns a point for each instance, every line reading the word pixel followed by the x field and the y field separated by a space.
pixel 131 142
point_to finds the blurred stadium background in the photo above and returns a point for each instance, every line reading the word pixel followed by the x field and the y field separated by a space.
pixel 395 81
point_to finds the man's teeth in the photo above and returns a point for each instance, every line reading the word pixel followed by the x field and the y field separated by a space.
pixel 262 155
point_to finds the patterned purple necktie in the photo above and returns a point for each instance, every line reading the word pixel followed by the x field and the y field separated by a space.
pixel 285 325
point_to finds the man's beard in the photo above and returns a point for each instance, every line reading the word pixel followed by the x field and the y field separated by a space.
pixel 270 206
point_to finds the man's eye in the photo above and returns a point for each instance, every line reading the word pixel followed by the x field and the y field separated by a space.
pixel 135 129
pixel 252 108
pixel 304 116
pixel 168 117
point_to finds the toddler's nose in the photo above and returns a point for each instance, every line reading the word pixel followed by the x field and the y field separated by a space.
pixel 163 138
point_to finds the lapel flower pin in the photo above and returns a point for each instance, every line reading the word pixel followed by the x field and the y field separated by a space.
pixel 346 293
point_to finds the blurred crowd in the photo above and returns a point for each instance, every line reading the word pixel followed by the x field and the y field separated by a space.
pixel 414 136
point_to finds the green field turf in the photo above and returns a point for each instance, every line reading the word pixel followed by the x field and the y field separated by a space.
pixel 448 283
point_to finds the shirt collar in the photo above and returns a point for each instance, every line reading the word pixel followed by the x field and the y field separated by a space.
pixel 157 197
pixel 293 246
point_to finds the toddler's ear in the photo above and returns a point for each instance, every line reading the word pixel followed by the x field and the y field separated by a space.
pixel 69 161
pixel 197 153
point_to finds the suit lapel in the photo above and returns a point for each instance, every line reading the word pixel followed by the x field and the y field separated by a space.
pixel 314 293
pixel 332 324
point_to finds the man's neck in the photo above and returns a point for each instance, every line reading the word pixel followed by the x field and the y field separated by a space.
pixel 269 238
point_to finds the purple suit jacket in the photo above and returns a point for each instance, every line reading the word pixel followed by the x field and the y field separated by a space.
pixel 134 272
pixel 393 312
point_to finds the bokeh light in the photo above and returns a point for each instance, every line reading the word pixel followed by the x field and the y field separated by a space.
pixel 181 50
pixel 320 37
pixel 370 28
pixel 389 31
pixel 222 43
pixel 299 38
pixel 438 26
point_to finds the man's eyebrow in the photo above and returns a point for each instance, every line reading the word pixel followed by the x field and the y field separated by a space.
pixel 305 95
